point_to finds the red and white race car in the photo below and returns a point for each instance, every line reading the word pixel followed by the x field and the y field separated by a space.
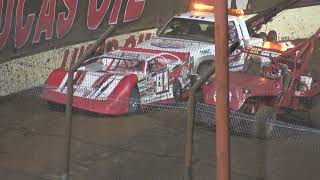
pixel 121 81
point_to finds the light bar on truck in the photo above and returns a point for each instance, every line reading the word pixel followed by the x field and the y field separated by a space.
pixel 208 8
pixel 202 7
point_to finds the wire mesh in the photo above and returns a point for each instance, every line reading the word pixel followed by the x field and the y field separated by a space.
pixel 145 144
pixel 148 144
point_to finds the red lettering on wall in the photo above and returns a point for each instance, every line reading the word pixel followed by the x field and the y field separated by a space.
pixel 101 49
pixel 140 40
pixel 65 59
pixel 65 23
pixel 134 10
pixel 46 20
pixel 112 45
pixel 130 42
pixel 74 57
pixel 95 15
pixel 22 32
pixel 7 25
pixel 108 46
pixel 115 12
pixel 82 48
pixel 148 36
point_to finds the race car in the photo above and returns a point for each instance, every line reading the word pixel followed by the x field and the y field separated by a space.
pixel 123 81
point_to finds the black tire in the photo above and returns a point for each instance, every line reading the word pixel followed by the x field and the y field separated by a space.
pixel 177 91
pixel 314 113
pixel 56 107
pixel 199 96
pixel 203 68
pixel 262 129
pixel 134 102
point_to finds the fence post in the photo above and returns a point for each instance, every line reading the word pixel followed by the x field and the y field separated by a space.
pixel 222 79
pixel 69 100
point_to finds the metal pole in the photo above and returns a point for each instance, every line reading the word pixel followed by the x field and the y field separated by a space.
pixel 69 100
pixel 191 109
pixel 222 79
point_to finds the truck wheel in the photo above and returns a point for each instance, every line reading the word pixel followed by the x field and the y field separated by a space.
pixel 56 107
pixel 314 113
pixel 262 129
pixel 134 102
pixel 199 96
pixel 177 91
pixel 203 68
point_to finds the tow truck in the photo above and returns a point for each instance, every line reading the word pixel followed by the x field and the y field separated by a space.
pixel 193 32
pixel 284 85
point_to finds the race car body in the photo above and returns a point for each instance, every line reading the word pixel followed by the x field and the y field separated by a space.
pixel 120 81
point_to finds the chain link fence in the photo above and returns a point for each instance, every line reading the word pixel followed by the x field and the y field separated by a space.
pixel 146 145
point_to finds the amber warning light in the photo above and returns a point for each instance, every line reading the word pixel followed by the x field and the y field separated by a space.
pixel 209 8
pixel 202 7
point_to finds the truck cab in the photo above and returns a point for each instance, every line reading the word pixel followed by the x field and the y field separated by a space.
pixel 193 32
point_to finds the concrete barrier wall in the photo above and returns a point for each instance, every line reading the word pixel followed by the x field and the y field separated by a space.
pixel 32 71
pixel 32 26
pixel 297 23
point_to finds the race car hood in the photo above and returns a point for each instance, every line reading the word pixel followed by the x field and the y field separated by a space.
pixel 241 87
pixel 195 48
pixel 91 85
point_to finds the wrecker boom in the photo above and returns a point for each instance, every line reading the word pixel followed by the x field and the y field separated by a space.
pixel 255 23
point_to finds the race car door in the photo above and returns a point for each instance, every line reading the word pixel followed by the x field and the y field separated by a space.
pixel 156 83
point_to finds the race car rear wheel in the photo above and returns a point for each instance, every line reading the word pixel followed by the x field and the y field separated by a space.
pixel 134 101
pixel 177 91
pixel 263 129
pixel 56 107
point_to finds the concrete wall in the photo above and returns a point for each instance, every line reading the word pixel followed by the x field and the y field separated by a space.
pixel 32 26
pixel 296 23
pixel 32 71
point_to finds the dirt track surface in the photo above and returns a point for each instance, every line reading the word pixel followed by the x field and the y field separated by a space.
pixel 147 146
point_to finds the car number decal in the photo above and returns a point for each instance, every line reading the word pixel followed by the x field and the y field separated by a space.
pixel 162 82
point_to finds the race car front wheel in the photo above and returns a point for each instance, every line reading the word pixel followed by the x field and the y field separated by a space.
pixel 134 102
pixel 203 68
pixel 177 91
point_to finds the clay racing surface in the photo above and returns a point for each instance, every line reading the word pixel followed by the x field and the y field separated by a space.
pixel 149 145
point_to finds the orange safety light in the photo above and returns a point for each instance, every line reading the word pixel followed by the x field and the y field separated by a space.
pixel 209 8
pixel 202 7
pixel 235 12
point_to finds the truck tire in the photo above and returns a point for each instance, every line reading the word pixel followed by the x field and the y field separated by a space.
pixel 177 91
pixel 203 68
pixel 199 96
pixel 134 102
pixel 314 113
pixel 262 129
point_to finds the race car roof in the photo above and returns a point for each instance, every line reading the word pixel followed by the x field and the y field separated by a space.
pixel 144 54
pixel 204 16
